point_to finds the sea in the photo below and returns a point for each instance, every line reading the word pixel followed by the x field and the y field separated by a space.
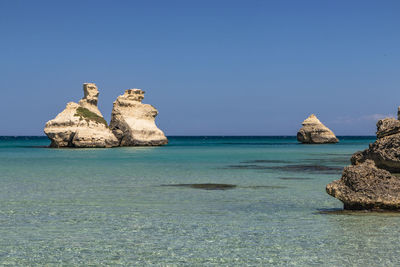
pixel 198 201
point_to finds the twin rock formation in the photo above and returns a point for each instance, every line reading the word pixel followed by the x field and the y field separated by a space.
pixel 372 181
pixel 82 125
pixel 314 132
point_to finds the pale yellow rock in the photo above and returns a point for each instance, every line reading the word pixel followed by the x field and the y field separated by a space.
pixel 133 123
pixel 90 98
pixel 81 125
pixel 314 132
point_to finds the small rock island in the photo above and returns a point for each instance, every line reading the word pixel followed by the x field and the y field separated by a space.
pixel 133 123
pixel 82 125
pixel 372 180
pixel 314 132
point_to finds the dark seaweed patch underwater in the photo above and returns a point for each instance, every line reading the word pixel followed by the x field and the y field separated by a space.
pixel 307 168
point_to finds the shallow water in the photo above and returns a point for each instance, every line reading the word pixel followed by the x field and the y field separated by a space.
pixel 112 206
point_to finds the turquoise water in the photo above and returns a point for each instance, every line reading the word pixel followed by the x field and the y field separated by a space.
pixel 118 206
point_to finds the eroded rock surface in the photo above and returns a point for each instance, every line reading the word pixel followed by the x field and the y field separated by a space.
pixel 364 186
pixel 372 182
pixel 387 127
pixel 90 98
pixel 314 132
pixel 385 151
pixel 133 123
pixel 81 125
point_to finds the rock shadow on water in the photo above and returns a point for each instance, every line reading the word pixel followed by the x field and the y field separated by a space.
pixel 212 186
pixel 338 211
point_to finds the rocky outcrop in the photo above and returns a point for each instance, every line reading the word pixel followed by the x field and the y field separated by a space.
pixel 387 127
pixel 133 123
pixel 314 132
pixel 372 181
pixel 385 151
pixel 366 187
pixel 81 125
pixel 90 98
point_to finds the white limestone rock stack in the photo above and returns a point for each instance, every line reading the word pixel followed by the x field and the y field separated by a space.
pixel 133 123
pixel 314 132
pixel 81 125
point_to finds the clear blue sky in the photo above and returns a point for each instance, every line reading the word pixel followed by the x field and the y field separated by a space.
pixel 209 67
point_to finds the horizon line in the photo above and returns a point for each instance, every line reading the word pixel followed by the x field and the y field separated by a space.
pixel 209 136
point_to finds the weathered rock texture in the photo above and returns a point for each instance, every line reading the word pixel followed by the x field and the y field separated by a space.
pixel 387 127
pixel 90 98
pixel 372 181
pixel 385 151
pixel 81 125
pixel 364 186
pixel 314 132
pixel 133 123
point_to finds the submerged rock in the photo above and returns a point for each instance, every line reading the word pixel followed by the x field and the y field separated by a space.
pixel 314 132
pixel 371 182
pixel 210 186
pixel 308 168
pixel 81 125
pixel 133 123
pixel 205 186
